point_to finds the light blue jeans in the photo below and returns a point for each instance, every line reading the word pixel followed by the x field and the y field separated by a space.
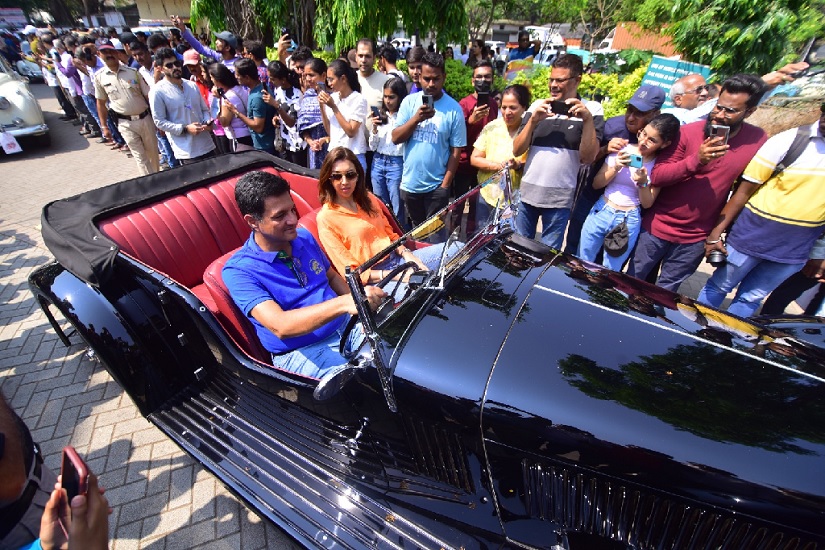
pixel 553 223
pixel 756 279
pixel 316 359
pixel 386 182
pixel 599 222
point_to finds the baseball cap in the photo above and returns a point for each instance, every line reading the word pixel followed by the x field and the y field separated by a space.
pixel 227 37
pixel 105 45
pixel 191 57
pixel 29 29
pixel 648 98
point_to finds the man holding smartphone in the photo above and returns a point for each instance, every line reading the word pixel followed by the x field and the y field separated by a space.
pixel 695 175
pixel 431 125
pixel 557 145
pixel 179 110
pixel 479 110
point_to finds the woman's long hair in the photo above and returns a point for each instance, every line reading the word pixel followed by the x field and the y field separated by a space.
pixel 341 68
pixel 326 192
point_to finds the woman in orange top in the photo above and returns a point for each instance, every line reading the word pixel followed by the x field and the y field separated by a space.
pixel 352 227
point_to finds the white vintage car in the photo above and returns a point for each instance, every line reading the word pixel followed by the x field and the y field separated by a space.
pixel 20 114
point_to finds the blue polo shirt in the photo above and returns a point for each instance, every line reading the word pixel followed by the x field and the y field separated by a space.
pixel 257 108
pixel 254 276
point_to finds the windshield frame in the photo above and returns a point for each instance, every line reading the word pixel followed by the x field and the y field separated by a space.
pixel 499 222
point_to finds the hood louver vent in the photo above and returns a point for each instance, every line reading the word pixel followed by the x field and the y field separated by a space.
pixel 584 504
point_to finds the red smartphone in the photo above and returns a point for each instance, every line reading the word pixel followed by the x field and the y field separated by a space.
pixel 74 474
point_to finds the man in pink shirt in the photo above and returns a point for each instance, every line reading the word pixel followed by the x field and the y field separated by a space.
pixel 695 176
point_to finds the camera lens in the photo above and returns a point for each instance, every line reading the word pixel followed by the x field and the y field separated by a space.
pixel 717 258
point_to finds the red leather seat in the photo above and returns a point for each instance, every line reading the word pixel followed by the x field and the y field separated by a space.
pixel 236 324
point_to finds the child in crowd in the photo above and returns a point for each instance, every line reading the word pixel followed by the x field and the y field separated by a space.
pixel 627 191
pixel 387 164
pixel 310 123
pixel 286 98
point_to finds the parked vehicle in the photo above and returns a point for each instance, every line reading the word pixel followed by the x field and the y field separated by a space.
pixel 20 113
pixel 515 396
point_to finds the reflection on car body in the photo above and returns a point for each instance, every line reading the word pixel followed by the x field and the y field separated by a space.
pixel 517 396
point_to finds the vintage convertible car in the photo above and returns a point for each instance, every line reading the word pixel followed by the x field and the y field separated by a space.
pixel 20 113
pixel 513 397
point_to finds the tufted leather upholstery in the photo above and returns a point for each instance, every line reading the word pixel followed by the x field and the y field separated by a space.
pixel 189 236
pixel 233 320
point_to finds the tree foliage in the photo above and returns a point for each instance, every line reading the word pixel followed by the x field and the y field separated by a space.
pixel 480 14
pixel 341 23
pixel 734 36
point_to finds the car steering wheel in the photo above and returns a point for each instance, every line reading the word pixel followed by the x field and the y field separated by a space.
pixel 383 308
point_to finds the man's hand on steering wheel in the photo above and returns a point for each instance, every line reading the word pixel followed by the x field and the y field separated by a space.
pixel 375 296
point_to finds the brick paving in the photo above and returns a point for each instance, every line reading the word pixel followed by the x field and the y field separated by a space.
pixel 161 498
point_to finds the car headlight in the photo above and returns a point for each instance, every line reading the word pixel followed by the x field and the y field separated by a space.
pixel 4 103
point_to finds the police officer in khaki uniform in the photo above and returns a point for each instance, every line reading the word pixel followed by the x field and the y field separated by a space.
pixel 127 94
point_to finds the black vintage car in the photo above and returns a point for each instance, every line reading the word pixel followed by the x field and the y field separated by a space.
pixel 513 397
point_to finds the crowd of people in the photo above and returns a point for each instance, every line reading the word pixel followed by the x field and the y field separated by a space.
pixel 654 191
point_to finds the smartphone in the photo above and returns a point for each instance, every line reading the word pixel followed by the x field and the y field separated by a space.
pixel 376 113
pixel 285 31
pixel 209 122
pixel 560 108
pixel 483 98
pixel 74 474
pixel 636 161
pixel 720 131
pixel 427 100
pixel 322 87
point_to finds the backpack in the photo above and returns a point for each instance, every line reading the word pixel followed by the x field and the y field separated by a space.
pixel 800 141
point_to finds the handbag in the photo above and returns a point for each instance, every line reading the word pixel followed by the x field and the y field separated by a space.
pixel 616 240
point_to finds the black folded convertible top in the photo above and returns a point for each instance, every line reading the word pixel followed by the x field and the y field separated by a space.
pixel 69 225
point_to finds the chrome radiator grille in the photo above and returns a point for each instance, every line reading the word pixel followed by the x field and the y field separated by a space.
pixel 584 504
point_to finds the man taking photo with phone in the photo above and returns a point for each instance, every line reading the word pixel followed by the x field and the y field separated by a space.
pixel 431 125
pixel 179 110
pixel 559 134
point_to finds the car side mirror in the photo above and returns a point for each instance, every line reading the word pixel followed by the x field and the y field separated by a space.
pixel 335 380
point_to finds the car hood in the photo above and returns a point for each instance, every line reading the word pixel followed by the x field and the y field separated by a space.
pixel 572 364
pixel 607 374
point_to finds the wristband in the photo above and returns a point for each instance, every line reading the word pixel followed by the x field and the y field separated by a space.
pixel 719 240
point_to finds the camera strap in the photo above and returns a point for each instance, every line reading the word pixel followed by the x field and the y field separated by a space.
pixel 800 141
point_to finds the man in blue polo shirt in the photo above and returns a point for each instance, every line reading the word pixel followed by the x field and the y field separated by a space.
pixel 285 284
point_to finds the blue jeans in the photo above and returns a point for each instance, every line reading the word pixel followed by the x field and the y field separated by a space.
pixel 316 359
pixel 165 149
pixel 599 222
pixel 553 223
pixel 362 158
pixel 386 182
pixel 756 279
pixel 91 104
pixel 679 260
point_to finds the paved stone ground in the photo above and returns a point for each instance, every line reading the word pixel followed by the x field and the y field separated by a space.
pixel 161 498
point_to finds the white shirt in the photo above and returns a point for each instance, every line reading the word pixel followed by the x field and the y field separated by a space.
pixel 353 107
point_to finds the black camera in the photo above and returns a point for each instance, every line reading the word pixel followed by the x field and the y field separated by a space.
pixel 717 258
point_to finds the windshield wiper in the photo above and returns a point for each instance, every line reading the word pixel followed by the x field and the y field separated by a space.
pixel 442 264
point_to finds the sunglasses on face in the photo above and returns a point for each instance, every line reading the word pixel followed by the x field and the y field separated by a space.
pixel 171 64
pixel 349 175
pixel 697 89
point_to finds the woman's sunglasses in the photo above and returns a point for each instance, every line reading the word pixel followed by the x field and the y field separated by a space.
pixel 337 176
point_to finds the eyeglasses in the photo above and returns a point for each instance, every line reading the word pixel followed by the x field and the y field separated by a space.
pixel 173 64
pixel 697 89
pixel 728 110
pixel 294 265
pixel 349 175
pixel 560 80
pixel 643 137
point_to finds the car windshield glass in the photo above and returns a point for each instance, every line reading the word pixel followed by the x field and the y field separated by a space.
pixel 443 242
